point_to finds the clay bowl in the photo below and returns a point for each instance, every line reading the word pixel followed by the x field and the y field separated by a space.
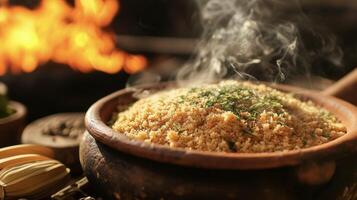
pixel 126 169
pixel 11 127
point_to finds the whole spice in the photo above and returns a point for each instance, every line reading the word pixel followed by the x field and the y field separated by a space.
pixel 72 128
pixel 60 132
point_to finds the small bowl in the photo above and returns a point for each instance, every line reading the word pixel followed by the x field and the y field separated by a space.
pixel 130 166
pixel 11 127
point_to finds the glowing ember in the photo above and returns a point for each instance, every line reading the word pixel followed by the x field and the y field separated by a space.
pixel 64 34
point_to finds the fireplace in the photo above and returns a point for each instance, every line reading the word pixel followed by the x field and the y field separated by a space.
pixel 134 35
pixel 61 56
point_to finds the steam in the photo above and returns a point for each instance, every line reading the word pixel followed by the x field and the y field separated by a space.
pixel 257 39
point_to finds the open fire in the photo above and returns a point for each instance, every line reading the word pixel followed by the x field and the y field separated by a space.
pixel 56 31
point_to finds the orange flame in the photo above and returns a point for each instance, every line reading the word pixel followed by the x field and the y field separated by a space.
pixel 64 34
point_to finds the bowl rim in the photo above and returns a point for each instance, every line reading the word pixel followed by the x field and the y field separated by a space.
pixel 20 112
pixel 346 113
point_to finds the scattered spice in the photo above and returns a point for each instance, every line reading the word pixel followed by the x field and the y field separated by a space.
pixel 72 128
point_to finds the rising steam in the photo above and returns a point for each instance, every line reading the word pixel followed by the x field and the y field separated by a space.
pixel 259 39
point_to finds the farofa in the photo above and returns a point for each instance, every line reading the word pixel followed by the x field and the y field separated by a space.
pixel 228 117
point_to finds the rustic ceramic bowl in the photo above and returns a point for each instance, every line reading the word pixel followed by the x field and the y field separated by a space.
pixel 125 169
pixel 11 127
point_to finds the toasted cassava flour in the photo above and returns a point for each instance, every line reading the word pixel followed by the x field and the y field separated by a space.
pixel 228 117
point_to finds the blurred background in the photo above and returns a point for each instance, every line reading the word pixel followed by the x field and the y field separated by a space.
pixel 61 56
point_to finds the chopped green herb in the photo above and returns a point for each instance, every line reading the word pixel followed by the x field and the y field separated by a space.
pixel 237 99
pixel 326 135
pixel 304 141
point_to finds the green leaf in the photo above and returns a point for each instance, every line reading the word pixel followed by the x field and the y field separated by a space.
pixel 5 110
